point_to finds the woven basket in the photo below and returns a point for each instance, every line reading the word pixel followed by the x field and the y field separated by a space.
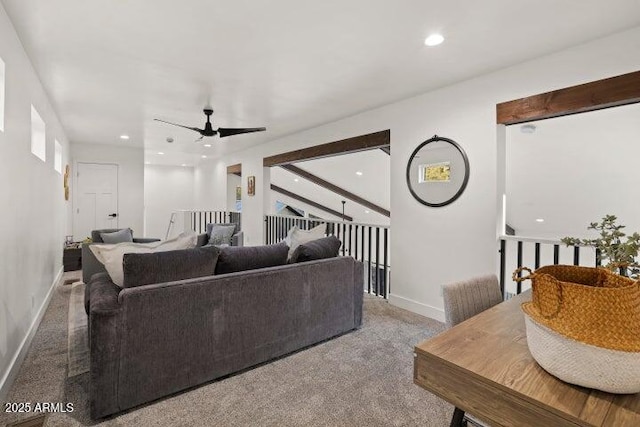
pixel 583 326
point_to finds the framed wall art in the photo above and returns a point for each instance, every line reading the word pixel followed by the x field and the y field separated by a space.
pixel 251 185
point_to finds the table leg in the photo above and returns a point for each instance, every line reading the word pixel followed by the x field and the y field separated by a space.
pixel 457 420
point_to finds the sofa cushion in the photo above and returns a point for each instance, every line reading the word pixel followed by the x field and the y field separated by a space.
pixel 120 236
pixel 210 225
pixel 111 255
pixel 241 258
pixel 169 266
pixel 95 234
pixel 297 236
pixel 202 240
pixel 327 247
pixel 221 234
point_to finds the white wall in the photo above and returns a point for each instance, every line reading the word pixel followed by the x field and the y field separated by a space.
pixel 233 181
pixel 433 246
pixel 33 218
pixel 210 178
pixel 253 207
pixel 166 189
pixel 130 161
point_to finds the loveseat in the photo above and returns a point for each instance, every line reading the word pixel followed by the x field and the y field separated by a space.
pixel 150 341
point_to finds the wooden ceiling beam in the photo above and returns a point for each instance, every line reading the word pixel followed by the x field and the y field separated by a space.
pixel 310 202
pixel 235 169
pixel 344 146
pixel 605 93
pixel 334 188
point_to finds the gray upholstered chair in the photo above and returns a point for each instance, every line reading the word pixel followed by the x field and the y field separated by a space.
pixel 463 300
pixel 90 264
pixel 236 240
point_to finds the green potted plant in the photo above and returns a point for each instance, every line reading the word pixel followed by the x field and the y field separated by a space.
pixel 613 251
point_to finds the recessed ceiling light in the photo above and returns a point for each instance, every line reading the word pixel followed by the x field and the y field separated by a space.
pixel 147 163
pixel 540 220
pixel 296 179
pixel 528 128
pixel 359 173
pixel 207 145
pixel 204 157
pixel 434 40
pixel 161 153
pixel 366 211
pixel 184 164
pixel 124 136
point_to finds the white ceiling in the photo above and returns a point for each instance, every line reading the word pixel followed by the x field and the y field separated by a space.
pixel 373 185
pixel 110 67
pixel 574 170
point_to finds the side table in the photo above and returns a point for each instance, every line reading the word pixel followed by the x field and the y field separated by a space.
pixel 72 259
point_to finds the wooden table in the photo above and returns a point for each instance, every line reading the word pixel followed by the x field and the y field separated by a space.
pixel 483 366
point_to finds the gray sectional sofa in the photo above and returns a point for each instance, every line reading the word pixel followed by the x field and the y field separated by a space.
pixel 90 265
pixel 153 340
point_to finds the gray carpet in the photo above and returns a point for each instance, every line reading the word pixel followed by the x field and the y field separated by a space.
pixel 78 338
pixel 361 378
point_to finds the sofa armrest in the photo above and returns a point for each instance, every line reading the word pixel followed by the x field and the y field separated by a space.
pixel 145 240
pixel 238 239
pixel 90 264
pixel 87 289
pixel 358 291
pixel 104 295
pixel 104 342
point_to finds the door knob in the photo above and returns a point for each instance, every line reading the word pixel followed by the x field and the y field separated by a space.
pixel 113 215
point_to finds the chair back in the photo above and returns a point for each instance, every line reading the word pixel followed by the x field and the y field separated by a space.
pixel 465 299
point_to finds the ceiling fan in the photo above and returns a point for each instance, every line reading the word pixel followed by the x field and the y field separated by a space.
pixel 209 131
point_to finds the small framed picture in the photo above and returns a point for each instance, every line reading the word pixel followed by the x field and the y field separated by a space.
pixel 251 186
pixel 238 193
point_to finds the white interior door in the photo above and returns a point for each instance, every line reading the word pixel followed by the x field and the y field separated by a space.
pixel 96 198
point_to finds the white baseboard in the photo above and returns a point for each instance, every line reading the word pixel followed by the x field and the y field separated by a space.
pixel 417 307
pixel 18 358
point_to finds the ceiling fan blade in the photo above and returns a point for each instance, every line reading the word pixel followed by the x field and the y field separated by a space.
pixel 237 131
pixel 182 126
pixel 199 139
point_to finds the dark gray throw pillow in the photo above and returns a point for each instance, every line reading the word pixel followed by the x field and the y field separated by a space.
pixel 202 240
pixel 221 234
pixel 121 236
pixel 241 258
pixel 168 266
pixel 327 247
